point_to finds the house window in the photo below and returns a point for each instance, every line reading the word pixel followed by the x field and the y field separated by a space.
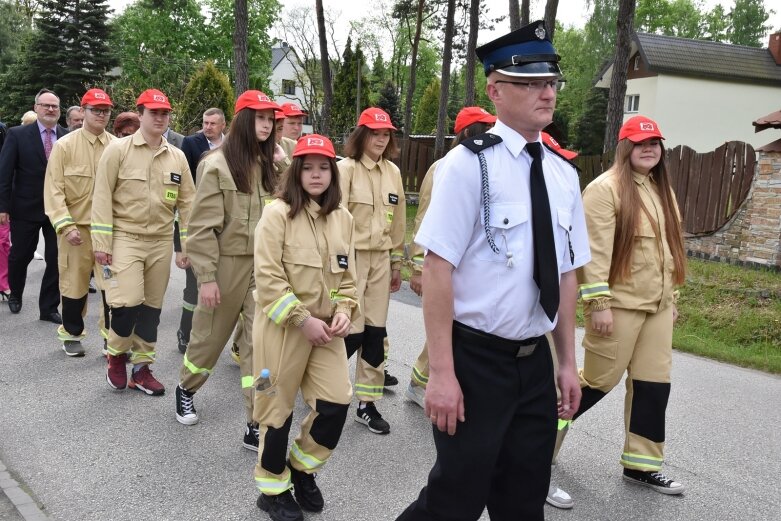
pixel 289 87
pixel 637 62
pixel 632 103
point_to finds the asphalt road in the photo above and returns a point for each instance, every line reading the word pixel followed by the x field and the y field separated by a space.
pixel 87 452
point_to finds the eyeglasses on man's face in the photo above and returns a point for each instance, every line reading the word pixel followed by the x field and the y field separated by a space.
pixel 537 85
pixel 99 112
pixel 48 106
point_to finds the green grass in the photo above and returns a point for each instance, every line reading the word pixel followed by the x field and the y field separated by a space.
pixel 731 314
pixel 727 313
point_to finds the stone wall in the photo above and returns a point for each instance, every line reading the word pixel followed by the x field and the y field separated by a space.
pixel 753 236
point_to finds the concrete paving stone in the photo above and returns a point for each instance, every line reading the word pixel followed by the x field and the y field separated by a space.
pixel 121 453
pixel 28 510
pixel 18 496
pixel 8 483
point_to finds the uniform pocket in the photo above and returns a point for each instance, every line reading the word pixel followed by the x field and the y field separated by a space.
pixel 132 189
pixel 645 251
pixel 170 191
pixel 509 223
pixel 302 257
pixel 79 182
pixel 600 362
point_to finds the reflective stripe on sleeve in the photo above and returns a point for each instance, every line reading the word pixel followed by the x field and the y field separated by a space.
pixel 281 308
pixel 597 289
pixel 65 221
pixel 105 229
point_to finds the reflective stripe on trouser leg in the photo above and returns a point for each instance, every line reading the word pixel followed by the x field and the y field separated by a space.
pixel 272 477
pixel 370 365
pixel 157 272
pixel 420 369
pixel 123 320
pixel 73 310
pixel 327 391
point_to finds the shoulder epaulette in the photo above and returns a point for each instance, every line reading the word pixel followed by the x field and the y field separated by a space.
pixel 555 152
pixel 482 141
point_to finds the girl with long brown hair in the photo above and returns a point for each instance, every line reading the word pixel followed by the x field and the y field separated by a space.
pixel 235 181
pixel 305 263
pixel 628 292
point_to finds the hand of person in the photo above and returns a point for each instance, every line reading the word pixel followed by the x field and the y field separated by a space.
pixel 569 385
pixel 209 293
pixel 279 153
pixel 316 331
pixel 340 325
pixel 74 237
pixel 395 281
pixel 4 218
pixel 416 284
pixel 675 313
pixel 602 322
pixel 103 258
pixel 444 401
pixel 182 261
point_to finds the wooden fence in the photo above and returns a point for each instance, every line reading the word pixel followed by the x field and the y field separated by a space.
pixel 710 187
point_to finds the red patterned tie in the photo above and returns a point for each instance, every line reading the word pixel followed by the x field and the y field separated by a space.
pixel 47 142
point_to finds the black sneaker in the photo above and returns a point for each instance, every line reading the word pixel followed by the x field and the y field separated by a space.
pixel 281 508
pixel 371 417
pixel 390 380
pixel 185 409
pixel 73 348
pixel 306 490
pixel 181 341
pixel 655 480
pixel 251 436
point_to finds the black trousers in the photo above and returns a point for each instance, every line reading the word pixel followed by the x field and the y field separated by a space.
pixel 24 239
pixel 500 456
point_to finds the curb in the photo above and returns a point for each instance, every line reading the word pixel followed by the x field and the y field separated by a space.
pixel 25 505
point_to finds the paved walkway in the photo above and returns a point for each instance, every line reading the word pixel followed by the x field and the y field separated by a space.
pixel 86 453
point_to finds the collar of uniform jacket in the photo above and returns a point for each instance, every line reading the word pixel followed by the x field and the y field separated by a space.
pixel 514 141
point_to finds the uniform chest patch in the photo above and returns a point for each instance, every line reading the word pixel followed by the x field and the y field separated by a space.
pixel 393 199
pixel 176 178
pixel 341 260
pixel 170 195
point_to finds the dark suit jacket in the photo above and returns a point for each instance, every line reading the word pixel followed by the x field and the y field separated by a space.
pixel 194 147
pixel 22 171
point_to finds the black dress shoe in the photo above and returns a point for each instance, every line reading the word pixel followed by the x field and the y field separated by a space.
pixel 14 304
pixel 53 317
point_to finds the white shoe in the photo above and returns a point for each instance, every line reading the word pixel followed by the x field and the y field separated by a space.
pixel 37 256
pixel 416 394
pixel 558 498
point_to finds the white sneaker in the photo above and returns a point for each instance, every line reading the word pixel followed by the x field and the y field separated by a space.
pixel 558 498
pixel 416 394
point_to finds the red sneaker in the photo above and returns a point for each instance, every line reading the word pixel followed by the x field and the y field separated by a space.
pixel 143 380
pixel 116 374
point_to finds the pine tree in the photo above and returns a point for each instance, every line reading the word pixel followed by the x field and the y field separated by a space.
pixel 455 99
pixel 389 102
pixel 590 127
pixel 343 110
pixel 68 53
pixel 427 109
pixel 207 88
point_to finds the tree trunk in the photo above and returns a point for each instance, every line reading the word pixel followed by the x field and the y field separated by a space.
pixel 447 54
pixel 615 104
pixel 515 15
pixel 524 12
pixel 325 67
pixel 551 6
pixel 241 68
pixel 471 57
pixel 412 71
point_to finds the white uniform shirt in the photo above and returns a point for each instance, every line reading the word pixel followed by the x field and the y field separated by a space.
pixel 489 295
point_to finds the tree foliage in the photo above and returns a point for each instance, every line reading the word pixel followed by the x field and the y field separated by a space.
pixel 389 101
pixel 346 101
pixel 208 88
pixel 748 23
pixel 68 52
pixel 427 109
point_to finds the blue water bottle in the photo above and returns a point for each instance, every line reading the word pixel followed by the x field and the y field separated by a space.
pixel 263 381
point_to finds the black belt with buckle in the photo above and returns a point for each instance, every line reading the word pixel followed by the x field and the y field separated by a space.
pixel 520 348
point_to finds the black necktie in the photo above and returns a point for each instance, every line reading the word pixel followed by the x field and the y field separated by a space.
pixel 546 269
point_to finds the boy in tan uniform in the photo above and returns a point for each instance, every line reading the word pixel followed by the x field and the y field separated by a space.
pixel 141 181
pixel 68 187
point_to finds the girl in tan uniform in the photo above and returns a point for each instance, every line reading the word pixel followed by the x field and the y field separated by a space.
pixel 304 263
pixel 628 291
pixel 373 192
pixel 235 181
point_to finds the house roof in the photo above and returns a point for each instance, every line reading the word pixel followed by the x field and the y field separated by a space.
pixel 772 120
pixel 278 54
pixel 707 59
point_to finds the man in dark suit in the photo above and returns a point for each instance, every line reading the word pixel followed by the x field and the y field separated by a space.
pixel 23 162
pixel 194 147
